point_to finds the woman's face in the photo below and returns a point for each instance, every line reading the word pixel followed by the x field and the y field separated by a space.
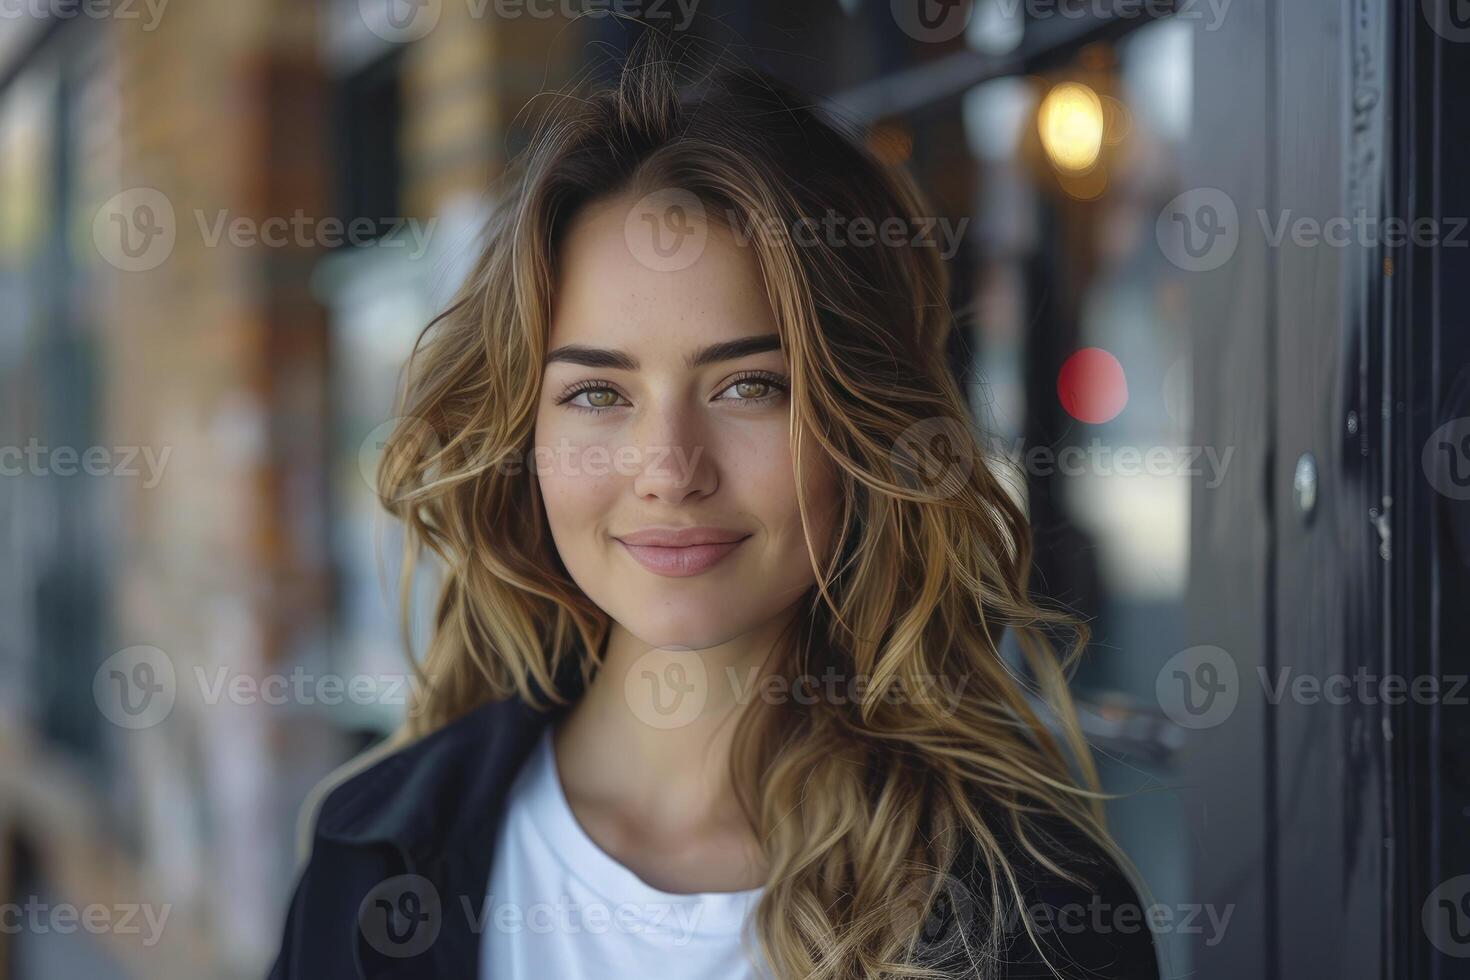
pixel 663 451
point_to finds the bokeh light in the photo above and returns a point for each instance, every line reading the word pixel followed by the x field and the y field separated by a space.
pixel 1092 386
pixel 1070 122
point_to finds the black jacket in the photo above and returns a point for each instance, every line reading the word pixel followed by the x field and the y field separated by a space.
pixel 400 864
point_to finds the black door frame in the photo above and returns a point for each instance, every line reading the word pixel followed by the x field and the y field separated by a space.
pixel 1329 827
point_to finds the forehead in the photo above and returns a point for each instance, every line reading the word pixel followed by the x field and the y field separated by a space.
pixel 609 294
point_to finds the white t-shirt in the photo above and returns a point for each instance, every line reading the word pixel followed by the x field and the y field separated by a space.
pixel 561 907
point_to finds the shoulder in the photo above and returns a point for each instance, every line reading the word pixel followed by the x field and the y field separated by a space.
pixel 1089 923
pixel 421 809
pixel 425 792
pixel 316 798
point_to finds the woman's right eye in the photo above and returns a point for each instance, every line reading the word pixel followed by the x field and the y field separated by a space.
pixel 591 398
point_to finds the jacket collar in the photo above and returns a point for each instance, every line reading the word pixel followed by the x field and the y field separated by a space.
pixel 438 803
pixel 445 790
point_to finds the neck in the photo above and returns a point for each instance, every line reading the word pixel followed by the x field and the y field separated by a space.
pixel 651 737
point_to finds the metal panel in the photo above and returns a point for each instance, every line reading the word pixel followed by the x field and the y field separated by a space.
pixel 1429 367
pixel 1231 568
pixel 1288 575
pixel 1330 751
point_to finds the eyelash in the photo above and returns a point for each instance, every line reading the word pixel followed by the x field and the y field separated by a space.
pixel 776 381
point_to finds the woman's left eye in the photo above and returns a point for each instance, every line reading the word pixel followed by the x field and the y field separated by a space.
pixel 756 388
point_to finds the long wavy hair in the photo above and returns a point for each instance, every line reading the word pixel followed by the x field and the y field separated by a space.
pixel 862 806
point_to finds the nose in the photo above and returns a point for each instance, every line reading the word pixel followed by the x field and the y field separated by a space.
pixel 674 459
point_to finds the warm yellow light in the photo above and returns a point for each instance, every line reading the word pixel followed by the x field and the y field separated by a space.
pixel 1070 121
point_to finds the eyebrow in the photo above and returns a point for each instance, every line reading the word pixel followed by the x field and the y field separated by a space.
pixel 603 357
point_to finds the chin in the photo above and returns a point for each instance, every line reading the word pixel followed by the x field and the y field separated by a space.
pixel 695 626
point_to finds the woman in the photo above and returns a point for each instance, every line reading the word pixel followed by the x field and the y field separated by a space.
pixel 713 689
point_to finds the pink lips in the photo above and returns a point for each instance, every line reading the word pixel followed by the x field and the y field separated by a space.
pixel 678 552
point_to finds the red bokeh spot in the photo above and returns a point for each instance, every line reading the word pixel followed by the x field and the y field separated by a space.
pixel 1091 385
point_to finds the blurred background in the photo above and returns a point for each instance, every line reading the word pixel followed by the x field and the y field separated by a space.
pixel 224 222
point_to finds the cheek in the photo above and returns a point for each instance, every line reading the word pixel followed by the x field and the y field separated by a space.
pixel 569 494
pixel 772 487
pixel 577 478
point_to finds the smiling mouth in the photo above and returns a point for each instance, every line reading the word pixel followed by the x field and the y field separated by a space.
pixel 681 562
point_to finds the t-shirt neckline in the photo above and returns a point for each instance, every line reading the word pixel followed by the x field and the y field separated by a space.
pixel 552 816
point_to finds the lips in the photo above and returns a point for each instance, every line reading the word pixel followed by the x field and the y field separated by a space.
pixel 679 552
